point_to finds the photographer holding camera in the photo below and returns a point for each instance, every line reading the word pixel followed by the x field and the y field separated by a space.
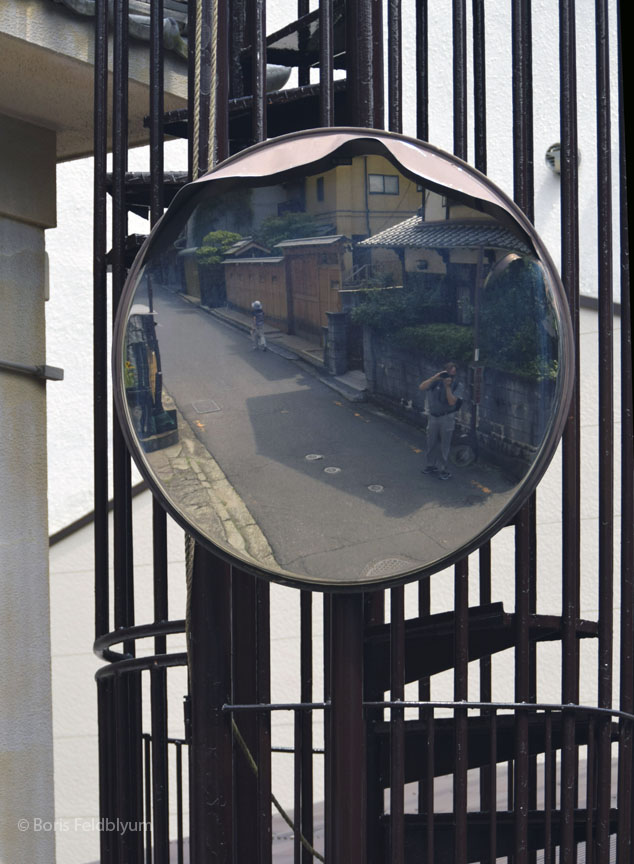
pixel 444 399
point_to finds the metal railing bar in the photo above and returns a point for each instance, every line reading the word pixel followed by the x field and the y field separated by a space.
pixel 394 66
pixel 298 811
pixel 179 801
pixel 397 728
pixel 571 443
pixel 491 794
pixel 479 87
pixel 263 719
pixel 303 71
pixel 140 664
pixel 243 673
pixel 326 65
pixel 306 695
pixel 100 327
pixel 606 424
pixel 147 799
pixel 461 693
pixel 158 677
pixel 525 552
pixel 397 595
pixel 459 29
pixel 258 70
pixel 138 631
pixel 531 707
pixel 422 71
pixel 626 750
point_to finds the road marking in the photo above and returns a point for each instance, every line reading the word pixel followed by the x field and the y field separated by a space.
pixel 312 457
pixel 332 470
pixel 375 487
pixel 480 486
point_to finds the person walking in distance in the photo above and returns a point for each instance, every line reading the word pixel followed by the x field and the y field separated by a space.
pixel 257 327
pixel 443 401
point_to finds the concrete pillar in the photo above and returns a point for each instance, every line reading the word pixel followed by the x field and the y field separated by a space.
pixel 27 207
pixel 337 342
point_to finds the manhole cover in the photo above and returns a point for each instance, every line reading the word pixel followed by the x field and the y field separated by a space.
pixel 389 567
pixel 375 487
pixel 313 457
pixel 205 406
pixel 332 470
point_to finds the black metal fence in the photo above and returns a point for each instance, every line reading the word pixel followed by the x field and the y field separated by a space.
pixel 521 780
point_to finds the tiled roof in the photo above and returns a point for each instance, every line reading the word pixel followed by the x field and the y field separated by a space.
pixel 311 241
pixel 413 233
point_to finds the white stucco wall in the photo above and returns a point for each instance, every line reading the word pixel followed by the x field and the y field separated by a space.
pixel 69 335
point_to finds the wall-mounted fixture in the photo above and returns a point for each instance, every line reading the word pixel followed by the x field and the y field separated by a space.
pixel 553 157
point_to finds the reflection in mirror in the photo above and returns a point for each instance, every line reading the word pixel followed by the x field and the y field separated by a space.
pixel 342 375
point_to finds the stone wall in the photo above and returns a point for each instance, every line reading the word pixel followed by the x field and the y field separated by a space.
pixel 512 415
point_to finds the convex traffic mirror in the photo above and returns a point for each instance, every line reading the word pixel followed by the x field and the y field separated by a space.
pixel 343 359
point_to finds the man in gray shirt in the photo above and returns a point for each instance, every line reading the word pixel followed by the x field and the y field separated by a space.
pixel 444 400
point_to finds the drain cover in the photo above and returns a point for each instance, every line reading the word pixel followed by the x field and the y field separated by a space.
pixel 389 567
pixel 205 406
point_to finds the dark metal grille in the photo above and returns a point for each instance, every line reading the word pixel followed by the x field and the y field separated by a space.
pixel 515 779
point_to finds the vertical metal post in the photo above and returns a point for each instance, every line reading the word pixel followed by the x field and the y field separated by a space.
pixel 347 732
pixel 243 680
pixel 461 693
pixel 626 731
pixel 258 71
pixel 263 696
pixel 359 53
pixel 158 677
pixel 395 66
pixel 210 685
pixel 606 426
pixel 522 193
pixel 100 323
pixel 479 87
pixel 326 64
pixel 306 727
pixel 460 78
pixel 422 71
pixel 571 479
pixel 397 726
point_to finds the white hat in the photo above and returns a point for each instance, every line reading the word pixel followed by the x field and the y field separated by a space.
pixel 256 304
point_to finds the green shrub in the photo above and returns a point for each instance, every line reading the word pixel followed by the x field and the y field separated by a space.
pixel 388 310
pixel 214 246
pixel 439 342
pixel 517 329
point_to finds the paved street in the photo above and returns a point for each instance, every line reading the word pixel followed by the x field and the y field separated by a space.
pixel 330 489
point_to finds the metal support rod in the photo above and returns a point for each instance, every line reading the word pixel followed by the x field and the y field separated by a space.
pixel 210 685
pixel 571 445
pixel 347 733
pixel 461 693
pixel 606 425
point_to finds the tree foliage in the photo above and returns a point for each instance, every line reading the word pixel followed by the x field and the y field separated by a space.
pixel 214 246
pixel 288 226
pixel 517 327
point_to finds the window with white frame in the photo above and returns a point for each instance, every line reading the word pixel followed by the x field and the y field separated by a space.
pixel 383 184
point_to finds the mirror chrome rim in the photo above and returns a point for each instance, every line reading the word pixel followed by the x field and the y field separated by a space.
pixel 319 144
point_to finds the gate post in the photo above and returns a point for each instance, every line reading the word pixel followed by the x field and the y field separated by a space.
pixel 347 730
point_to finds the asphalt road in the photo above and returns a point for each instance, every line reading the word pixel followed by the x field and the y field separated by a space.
pixel 335 486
